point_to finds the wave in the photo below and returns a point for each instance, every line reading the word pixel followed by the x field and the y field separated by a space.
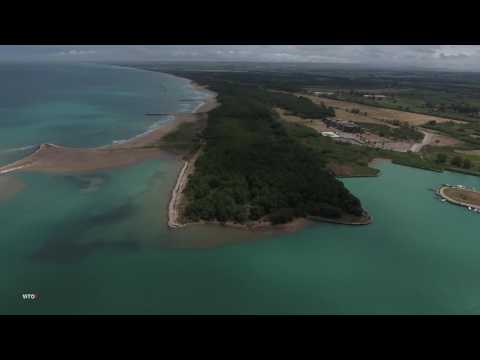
pixel 121 141
pixel 162 121
pixel 23 148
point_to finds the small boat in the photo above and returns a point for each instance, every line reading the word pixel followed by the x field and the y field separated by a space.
pixel 469 208
pixel 443 200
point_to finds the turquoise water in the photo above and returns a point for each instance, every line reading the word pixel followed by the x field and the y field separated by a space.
pixel 97 243
pixel 83 105
pixel 104 249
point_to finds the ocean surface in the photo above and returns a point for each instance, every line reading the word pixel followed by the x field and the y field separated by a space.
pixel 97 243
pixel 83 105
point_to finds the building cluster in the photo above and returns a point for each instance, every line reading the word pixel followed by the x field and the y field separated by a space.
pixel 320 93
pixel 374 96
pixel 344 125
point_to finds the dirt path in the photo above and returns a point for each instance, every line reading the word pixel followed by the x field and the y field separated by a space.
pixel 427 140
pixel 174 211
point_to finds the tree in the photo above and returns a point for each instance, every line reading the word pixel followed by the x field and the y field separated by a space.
pixel 467 164
pixel 457 161
pixel 441 158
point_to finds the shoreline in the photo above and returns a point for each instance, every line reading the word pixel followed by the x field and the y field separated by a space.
pixel 441 193
pixel 56 158
pixel 176 197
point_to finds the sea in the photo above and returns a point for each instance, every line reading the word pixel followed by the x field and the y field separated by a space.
pixel 98 243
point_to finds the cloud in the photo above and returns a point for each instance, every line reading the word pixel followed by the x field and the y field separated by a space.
pixel 75 52
pixel 455 57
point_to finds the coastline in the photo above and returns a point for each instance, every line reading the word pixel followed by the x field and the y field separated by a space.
pixel 175 204
pixel 258 226
pixel 57 158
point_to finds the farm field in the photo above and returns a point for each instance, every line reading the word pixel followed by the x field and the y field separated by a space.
pixel 376 114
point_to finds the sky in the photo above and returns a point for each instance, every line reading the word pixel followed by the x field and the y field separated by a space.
pixel 453 57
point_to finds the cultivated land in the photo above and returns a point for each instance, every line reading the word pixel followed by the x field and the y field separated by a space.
pixel 376 114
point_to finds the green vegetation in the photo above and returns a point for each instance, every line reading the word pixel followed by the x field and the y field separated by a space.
pixel 250 91
pixel 468 133
pixel 295 105
pixel 251 168
pixel 186 138
pixel 402 132
pixel 441 158
pixel 446 158
pixel 414 160
pixel 457 161
pixel 336 153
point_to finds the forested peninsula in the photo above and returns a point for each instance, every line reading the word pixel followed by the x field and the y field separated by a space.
pixel 250 169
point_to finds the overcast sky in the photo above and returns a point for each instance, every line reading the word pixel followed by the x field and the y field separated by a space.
pixel 452 57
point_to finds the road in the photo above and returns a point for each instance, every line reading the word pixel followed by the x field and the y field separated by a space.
pixel 427 139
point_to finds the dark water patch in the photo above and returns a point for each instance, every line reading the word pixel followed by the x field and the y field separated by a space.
pixel 61 250
pixel 96 116
pixel 64 250
pixel 83 235
pixel 87 183
pixel 114 215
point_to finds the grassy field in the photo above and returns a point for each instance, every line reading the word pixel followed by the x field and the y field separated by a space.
pixel 375 114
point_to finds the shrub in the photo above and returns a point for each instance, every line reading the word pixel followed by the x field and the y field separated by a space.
pixel 282 216
pixel 457 161
pixel 441 158
pixel 467 164
pixel 326 210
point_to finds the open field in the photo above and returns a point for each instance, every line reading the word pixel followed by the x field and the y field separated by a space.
pixel 442 140
pixel 376 114
pixel 367 138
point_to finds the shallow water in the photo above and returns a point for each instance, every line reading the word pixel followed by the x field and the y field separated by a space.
pixel 97 243
pixel 83 105
pixel 109 251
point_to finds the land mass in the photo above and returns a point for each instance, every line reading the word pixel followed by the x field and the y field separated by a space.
pixel 460 196
pixel 262 158
pixel 249 171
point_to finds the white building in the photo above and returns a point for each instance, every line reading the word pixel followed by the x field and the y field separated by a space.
pixel 330 134
pixel 374 96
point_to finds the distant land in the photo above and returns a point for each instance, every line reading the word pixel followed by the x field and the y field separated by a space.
pixel 247 129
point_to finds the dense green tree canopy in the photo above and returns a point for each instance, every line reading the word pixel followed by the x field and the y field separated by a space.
pixel 251 168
